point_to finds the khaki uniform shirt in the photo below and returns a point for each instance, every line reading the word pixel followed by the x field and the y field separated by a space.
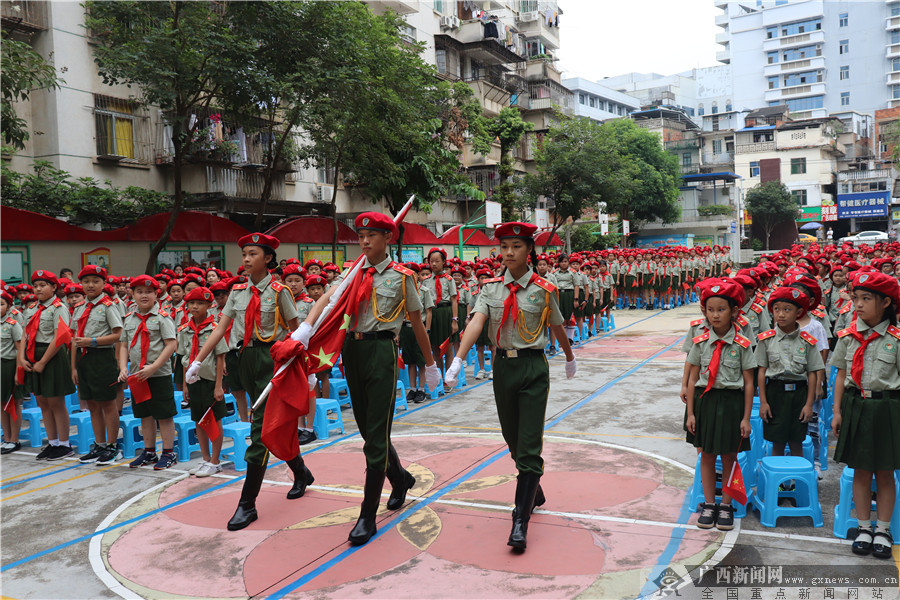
pixel 605 280
pixel 427 301
pixel 758 317
pixel 789 356
pixel 161 328
pixel 736 358
pixel 16 314
pixel 10 333
pixel 272 295
pixel 531 298
pixel 388 284
pixel 448 288
pixel 465 297
pixel 881 370
pixel 185 343
pixel 104 317
pixel 304 305
pixel 55 311
pixel 566 280
pixel 831 299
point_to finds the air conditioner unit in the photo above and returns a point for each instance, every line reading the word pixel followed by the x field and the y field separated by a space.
pixel 528 17
pixel 320 193
pixel 449 22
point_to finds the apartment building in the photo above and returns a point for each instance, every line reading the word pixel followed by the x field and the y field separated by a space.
pixel 598 102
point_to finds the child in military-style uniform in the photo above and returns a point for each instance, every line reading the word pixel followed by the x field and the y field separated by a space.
pixel 11 335
pixel 207 392
pixel 48 370
pixel 315 287
pixel 98 326
pixel 516 308
pixel 483 340
pixel 867 405
pixel 445 314
pixel 409 347
pixel 789 367
pixel 387 292
pixel 260 312
pixel 719 395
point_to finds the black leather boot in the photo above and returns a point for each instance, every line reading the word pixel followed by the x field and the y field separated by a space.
pixel 401 480
pixel 302 477
pixel 526 489
pixel 246 509
pixel 539 498
pixel 365 527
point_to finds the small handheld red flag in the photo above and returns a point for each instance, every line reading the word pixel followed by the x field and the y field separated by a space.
pixel 140 389
pixel 210 425
pixel 735 486
pixel 63 333
pixel 400 363
pixel 10 408
pixel 20 375
pixel 445 347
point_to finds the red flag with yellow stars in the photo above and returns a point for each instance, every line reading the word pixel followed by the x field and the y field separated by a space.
pixel 210 425
pixel 284 405
pixel 735 486
pixel 326 343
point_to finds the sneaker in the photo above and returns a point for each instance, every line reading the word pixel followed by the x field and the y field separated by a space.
pixel 166 460
pixel 208 469
pixel 146 457
pixel 491 374
pixel 199 466
pixel 44 453
pixel 9 447
pixel 411 395
pixel 481 375
pixel 109 455
pixel 420 397
pixel 708 514
pixel 60 452
pixel 725 518
pixel 553 350
pixel 92 455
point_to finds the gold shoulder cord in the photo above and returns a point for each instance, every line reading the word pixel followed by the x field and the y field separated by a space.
pixel 279 322
pixel 397 311
pixel 530 336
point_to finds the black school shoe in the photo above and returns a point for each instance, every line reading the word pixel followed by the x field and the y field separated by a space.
pixel 306 437
pixel 725 518
pixel 44 453
pixel 708 516
pixel 60 452
pixel 862 545
pixel 420 397
pixel 882 544
pixel 10 447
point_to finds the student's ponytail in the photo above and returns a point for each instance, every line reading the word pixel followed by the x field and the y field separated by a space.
pixel 534 258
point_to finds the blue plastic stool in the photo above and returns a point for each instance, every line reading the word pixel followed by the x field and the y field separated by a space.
pixel 72 403
pixel 186 437
pixel 461 382
pixel 404 377
pixel 84 433
pixel 612 321
pixel 323 424
pixel 132 438
pixel 336 386
pixel 30 402
pixel 775 470
pixel 696 491
pixel 401 402
pixel 808 452
pixel 239 432
pixel 488 361
pixel 35 431
pixel 471 357
pixel 336 373
pixel 231 412
pixel 434 394
pixel 823 445
pixel 604 324
pixel 843 522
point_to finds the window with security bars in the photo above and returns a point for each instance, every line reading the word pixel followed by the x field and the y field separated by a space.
pixel 799 197
pixel 122 130
pixel 798 166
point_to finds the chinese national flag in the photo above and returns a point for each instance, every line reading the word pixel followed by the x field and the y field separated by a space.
pixel 445 347
pixel 210 425
pixel 400 363
pixel 10 408
pixel 20 375
pixel 735 486
pixel 140 389
pixel 284 405
pixel 63 333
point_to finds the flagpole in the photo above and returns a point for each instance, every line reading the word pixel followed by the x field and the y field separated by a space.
pixel 332 301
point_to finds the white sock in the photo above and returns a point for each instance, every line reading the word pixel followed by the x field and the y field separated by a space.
pixel 883 526
pixel 863 524
pixel 54 442
pixel 65 443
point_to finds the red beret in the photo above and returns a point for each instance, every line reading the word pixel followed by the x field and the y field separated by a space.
pixel 64 281
pixel 219 287
pixel 145 280
pixel 199 280
pixel 24 287
pixel 292 261
pixel 725 288
pixel 413 266
pixel 441 251
pixel 74 288
pixel 41 275
pixel 316 280
pixel 313 262
pixel 109 290
pixel 878 282
pixel 259 239
pixel 484 273
pixel 201 294
pixel 376 222
pixel 515 229
pixel 332 267
pixel 29 298
pixel 792 295
pixel 744 280
pixel 163 277
pixel 196 271
pixel 178 282
pixel 458 271
pixel 291 269
pixel 6 296
pixel 808 282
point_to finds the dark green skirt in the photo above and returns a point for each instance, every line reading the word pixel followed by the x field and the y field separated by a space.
pixel 718 416
pixel 56 379
pixel 784 425
pixel 461 310
pixel 409 347
pixel 8 381
pixel 441 317
pixel 567 304
pixel 870 432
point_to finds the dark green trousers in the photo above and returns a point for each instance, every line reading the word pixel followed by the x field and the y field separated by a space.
pixel 256 369
pixel 521 387
pixel 371 370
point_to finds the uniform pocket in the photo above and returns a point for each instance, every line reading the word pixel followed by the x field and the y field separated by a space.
pixel 886 366
pixel 495 307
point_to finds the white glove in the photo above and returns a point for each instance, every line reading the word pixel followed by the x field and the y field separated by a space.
pixel 432 376
pixel 452 376
pixel 302 334
pixel 571 368
pixel 192 375
pixel 313 380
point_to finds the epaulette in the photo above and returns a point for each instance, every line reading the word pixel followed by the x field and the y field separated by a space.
pixel 105 301
pixel 56 302
pixel 163 313
pixel 494 280
pixel 240 286
pixel 544 284
pixel 756 308
pixel 11 321
pixel 765 335
pixel 741 341
pixel 128 314
pixel 403 270
pixel 701 338
pixel 894 331
pixel 79 304
pixel 847 308
pixel 844 332
pixel 696 322
pixel 15 311
pixel 277 286
pixel 806 336
pixel 816 312
pixel 182 326
pixel 742 321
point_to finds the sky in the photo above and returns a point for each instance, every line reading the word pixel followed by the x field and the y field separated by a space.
pixel 603 38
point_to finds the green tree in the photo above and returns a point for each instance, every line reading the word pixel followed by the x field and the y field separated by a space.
pixel 22 70
pixel 769 204
pixel 508 127
pixel 178 55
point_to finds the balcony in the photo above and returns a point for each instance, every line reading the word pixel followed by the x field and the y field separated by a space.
pixel 755 147
pixel 893 51
pixel 795 91
pixel 723 37
pixel 871 174
pixel 234 183
pixel 24 15
pixel 804 64
pixel 691 169
pixel 686 144
pixel 893 78
pixel 538 28
pixel 724 56
pixel 722 19
pixel 718 158
pixel 800 39
pixel 892 23
pixel 398 6
pixel 699 215
pixel 469 40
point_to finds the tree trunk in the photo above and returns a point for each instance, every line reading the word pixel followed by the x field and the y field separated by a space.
pixel 274 155
pixel 177 202
pixel 337 169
